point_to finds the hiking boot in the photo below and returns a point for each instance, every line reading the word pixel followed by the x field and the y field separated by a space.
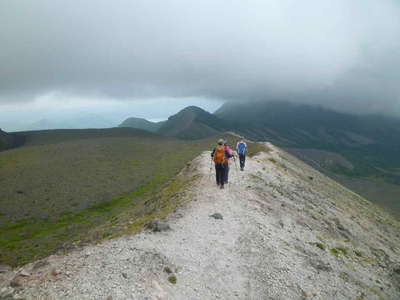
pixel 241 169
pixel 222 186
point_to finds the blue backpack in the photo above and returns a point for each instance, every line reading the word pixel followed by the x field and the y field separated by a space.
pixel 241 148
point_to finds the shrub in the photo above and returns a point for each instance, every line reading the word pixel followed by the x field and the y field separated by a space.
pixel 172 279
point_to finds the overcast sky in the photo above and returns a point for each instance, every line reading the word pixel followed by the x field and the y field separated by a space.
pixel 101 55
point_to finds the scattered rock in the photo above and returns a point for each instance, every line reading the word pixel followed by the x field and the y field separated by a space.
pixel 217 216
pixel 158 225
pixel 396 275
pixel 124 275
pixel 20 192
pixel 281 223
pixel 307 294
pixel 16 281
pixel 4 268
pixel 55 272
pixel 6 293
pixel 40 264
pixel 24 273
pixel 320 265
pixel 310 177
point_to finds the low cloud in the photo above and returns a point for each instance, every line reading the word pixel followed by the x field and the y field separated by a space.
pixel 342 54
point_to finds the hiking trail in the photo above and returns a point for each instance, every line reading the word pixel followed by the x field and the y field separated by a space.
pixel 287 232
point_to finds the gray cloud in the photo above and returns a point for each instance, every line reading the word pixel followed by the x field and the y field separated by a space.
pixel 344 54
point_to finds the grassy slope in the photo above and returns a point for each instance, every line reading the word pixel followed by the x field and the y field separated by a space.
pixel 74 186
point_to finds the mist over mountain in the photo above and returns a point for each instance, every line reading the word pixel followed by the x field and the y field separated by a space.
pixel 291 124
pixel 340 54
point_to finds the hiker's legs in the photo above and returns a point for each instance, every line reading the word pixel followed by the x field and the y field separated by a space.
pixel 226 172
pixel 242 159
pixel 219 174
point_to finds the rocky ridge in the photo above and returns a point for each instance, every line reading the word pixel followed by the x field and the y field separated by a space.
pixel 280 230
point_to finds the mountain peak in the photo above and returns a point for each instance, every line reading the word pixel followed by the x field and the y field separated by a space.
pixel 193 122
pixel 193 108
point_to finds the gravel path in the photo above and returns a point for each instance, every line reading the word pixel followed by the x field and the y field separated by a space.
pixel 280 221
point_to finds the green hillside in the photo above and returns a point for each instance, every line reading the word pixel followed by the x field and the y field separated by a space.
pixel 70 187
pixel 64 183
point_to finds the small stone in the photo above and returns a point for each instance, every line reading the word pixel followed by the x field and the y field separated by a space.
pixel 16 282
pixel 6 293
pixel 40 264
pixel 124 275
pixel 217 216
pixel 307 294
pixel 158 225
pixel 281 223
pixel 24 273
pixel 54 272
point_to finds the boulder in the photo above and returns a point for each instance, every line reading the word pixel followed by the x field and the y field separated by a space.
pixel 158 226
pixel 217 216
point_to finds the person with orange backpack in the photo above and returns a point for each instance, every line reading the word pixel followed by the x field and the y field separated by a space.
pixel 229 154
pixel 220 156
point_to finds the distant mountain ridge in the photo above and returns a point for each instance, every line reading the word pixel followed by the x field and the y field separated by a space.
pixel 141 123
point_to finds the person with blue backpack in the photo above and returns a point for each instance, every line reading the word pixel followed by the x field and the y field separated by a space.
pixel 241 149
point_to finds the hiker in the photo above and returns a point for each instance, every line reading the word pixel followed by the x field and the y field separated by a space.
pixel 241 149
pixel 219 155
pixel 226 163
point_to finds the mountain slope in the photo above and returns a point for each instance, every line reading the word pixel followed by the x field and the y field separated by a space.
pixel 298 125
pixel 344 146
pixel 193 123
pixel 288 232
pixel 141 123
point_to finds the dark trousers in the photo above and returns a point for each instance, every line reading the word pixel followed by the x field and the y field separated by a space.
pixel 226 172
pixel 242 159
pixel 220 174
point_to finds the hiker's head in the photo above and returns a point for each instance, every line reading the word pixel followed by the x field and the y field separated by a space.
pixel 220 142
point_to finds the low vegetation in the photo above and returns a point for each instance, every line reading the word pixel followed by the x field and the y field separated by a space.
pixel 71 187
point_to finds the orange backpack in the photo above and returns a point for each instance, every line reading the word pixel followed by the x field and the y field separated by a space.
pixel 219 155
